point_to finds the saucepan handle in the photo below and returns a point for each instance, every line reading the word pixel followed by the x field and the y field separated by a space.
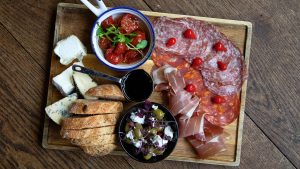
pixel 84 70
pixel 96 11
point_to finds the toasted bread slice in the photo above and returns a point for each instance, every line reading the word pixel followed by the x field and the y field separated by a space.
pixel 82 106
pixel 84 133
pixel 106 91
pixel 90 121
pixel 96 140
pixel 99 150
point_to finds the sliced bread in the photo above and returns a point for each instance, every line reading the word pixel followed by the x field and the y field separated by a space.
pixel 90 121
pixel 99 150
pixel 106 91
pixel 84 133
pixel 96 140
pixel 82 106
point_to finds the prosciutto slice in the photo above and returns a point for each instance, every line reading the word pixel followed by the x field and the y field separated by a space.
pixel 209 148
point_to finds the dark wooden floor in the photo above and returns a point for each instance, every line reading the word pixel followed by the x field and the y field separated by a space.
pixel 271 130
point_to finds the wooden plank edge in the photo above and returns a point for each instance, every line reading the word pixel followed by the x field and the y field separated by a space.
pixel 46 118
pixel 243 95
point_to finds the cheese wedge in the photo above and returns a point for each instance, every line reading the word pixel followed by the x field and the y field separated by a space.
pixel 83 83
pixel 69 49
pixel 64 81
pixel 59 110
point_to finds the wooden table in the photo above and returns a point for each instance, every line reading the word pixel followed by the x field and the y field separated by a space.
pixel 271 136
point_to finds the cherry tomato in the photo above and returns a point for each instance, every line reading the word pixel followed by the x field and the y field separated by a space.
pixel 222 66
pixel 131 56
pixel 129 23
pixel 190 88
pixel 104 43
pixel 114 59
pixel 189 34
pixel 138 38
pixel 120 48
pixel 196 63
pixel 107 22
pixel 109 51
pixel 171 42
pixel 220 47
pixel 218 99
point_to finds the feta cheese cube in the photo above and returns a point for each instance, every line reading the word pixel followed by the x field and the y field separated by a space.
pixel 64 81
pixel 69 49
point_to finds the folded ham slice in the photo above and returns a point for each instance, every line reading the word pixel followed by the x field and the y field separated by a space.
pixel 206 149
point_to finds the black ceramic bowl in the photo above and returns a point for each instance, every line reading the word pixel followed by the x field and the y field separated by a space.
pixel 129 149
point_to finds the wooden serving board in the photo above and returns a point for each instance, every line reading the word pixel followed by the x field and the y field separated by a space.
pixel 78 20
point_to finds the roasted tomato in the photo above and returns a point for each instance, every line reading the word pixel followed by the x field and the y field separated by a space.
pixel 129 23
pixel 120 48
pixel 218 99
pixel 113 58
pixel 131 56
pixel 138 38
pixel 107 22
pixel 104 43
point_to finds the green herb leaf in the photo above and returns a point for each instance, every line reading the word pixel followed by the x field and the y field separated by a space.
pixel 127 40
pixel 121 38
pixel 131 34
pixel 142 44
pixel 100 32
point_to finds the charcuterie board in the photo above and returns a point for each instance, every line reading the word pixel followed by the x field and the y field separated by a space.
pixel 78 20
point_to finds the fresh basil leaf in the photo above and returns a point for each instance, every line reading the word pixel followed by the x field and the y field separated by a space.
pixel 142 44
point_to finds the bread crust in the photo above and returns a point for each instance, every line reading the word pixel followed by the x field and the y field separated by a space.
pixel 99 150
pixel 82 106
pixel 106 91
pixel 85 133
pixel 90 121
pixel 96 140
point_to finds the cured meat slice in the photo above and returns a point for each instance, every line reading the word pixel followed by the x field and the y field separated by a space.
pixel 183 103
pixel 175 79
pixel 209 148
pixel 219 114
pixel 192 126
pixel 165 29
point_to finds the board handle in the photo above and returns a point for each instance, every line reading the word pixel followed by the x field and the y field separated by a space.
pixel 96 11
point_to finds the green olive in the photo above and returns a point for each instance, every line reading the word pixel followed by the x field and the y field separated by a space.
pixel 127 127
pixel 137 133
pixel 153 131
pixel 159 114
pixel 138 125
pixel 158 152
pixel 148 156
pixel 127 140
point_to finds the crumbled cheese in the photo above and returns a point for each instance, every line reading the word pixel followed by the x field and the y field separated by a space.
pixel 154 107
pixel 169 132
pixel 136 118
pixel 59 110
pixel 137 143
pixel 157 140
pixel 69 49
pixel 130 135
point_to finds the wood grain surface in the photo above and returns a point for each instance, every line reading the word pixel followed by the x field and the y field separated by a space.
pixel 271 130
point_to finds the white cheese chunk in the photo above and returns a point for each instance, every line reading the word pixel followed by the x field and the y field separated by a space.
pixel 130 135
pixel 137 143
pixel 154 107
pixel 84 82
pixel 64 81
pixel 169 132
pixel 59 110
pixel 137 119
pixel 157 140
pixel 69 49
